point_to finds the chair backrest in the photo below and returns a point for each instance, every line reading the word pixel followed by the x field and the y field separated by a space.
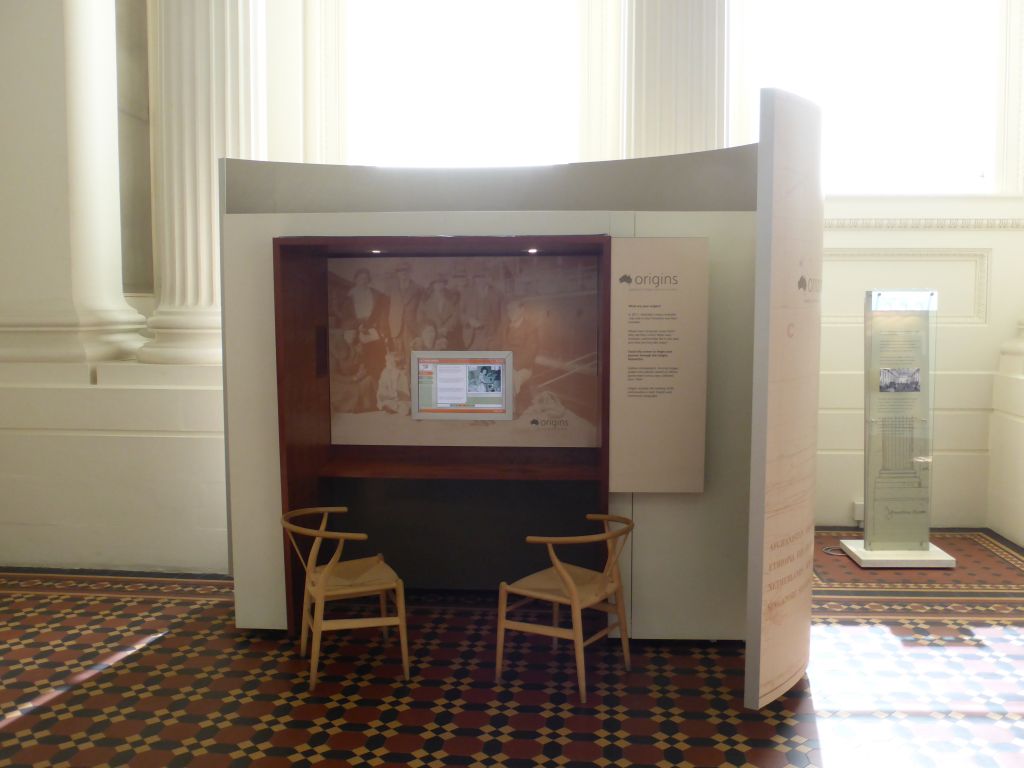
pixel 616 531
pixel 315 537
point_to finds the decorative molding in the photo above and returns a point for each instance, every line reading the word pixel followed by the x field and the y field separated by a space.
pixel 924 260
pixel 925 223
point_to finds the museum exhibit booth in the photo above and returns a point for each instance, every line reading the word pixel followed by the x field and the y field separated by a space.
pixel 466 357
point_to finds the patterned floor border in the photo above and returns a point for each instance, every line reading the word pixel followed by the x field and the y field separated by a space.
pixel 168 587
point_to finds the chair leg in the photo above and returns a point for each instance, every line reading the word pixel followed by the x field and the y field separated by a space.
pixel 577 638
pixel 620 609
pixel 304 632
pixel 500 644
pixel 318 626
pixel 383 613
pixel 403 632
pixel 554 623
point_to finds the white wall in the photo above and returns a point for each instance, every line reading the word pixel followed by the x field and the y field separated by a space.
pixel 689 550
pixel 34 195
pixel 971 251
pixel 1006 443
pixel 118 467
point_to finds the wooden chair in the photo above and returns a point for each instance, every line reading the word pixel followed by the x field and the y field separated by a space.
pixel 574 586
pixel 338 579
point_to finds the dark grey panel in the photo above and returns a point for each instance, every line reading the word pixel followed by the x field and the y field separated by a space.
pixel 719 180
pixel 466 534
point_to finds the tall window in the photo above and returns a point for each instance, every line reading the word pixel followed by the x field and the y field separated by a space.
pixel 916 95
pixel 462 83
pixel 919 97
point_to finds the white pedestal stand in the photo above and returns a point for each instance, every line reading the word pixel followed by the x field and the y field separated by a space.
pixel 933 557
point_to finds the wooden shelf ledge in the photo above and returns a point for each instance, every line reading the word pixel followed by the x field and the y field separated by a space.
pixel 462 463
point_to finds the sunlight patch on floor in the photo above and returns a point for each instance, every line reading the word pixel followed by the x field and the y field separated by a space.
pixel 945 700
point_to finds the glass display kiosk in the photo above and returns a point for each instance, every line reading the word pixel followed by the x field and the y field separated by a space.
pixel 899 360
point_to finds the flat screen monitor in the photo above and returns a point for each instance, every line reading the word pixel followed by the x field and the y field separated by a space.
pixel 459 386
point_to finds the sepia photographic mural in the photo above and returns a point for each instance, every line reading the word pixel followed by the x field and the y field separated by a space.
pixel 543 309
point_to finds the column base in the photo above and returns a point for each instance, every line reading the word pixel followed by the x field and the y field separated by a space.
pixel 183 337
pixel 182 348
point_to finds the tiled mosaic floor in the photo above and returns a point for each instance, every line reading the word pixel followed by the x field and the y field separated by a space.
pixel 920 667
pixel 987 584
pixel 151 672
pixel 985 563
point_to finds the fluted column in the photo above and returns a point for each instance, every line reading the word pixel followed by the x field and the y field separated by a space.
pixel 674 87
pixel 61 298
pixel 323 24
pixel 207 93
pixel 602 123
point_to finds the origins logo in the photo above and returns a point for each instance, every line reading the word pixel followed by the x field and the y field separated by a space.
pixel 555 423
pixel 662 282
pixel 809 284
pixel 547 412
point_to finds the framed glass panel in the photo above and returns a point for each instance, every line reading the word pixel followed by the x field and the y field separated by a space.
pixel 899 347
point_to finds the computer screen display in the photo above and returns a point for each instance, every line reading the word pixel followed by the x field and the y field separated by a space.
pixel 461 385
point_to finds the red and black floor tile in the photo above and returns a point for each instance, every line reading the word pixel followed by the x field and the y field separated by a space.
pixel 907 669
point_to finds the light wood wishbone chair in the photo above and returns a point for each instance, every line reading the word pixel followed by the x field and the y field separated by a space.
pixel 574 586
pixel 338 579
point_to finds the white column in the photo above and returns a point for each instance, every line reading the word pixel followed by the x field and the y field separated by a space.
pixel 207 90
pixel 323 24
pixel 602 114
pixel 285 81
pixel 61 298
pixel 675 86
